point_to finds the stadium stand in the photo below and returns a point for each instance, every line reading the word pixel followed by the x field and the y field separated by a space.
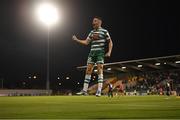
pixel 143 76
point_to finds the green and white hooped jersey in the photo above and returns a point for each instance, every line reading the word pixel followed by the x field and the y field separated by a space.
pixel 98 38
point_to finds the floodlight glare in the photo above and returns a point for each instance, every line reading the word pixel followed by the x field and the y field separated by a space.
pixel 177 62
pixel 139 66
pixel 109 69
pixel 123 67
pixel 157 64
pixel 48 14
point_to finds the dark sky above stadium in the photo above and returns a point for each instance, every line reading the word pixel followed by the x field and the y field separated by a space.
pixel 138 28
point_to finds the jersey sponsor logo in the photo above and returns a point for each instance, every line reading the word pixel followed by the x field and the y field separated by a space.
pixel 95 36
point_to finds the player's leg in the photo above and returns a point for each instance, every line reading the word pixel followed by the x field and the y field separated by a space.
pixel 89 69
pixel 100 79
pixel 88 76
pixel 87 79
pixel 100 62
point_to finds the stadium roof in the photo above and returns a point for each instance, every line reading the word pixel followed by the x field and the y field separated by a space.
pixel 140 65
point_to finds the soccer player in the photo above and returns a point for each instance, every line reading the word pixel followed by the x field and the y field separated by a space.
pixel 98 37
pixel 168 88
pixel 110 91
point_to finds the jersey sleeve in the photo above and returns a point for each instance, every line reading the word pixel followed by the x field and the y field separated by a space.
pixel 108 37
pixel 89 38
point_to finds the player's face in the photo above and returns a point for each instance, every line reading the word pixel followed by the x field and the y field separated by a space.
pixel 96 23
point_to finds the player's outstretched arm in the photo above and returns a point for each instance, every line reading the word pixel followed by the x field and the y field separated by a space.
pixel 83 42
pixel 110 46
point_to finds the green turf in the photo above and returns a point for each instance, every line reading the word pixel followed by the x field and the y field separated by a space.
pixel 126 107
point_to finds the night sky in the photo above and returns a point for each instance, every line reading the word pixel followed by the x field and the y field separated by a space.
pixel 139 29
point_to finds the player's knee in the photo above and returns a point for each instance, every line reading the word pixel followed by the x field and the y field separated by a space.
pixel 89 70
pixel 100 69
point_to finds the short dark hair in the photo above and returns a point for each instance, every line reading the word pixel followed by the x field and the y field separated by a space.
pixel 100 18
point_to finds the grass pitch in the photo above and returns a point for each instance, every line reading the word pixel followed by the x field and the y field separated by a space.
pixel 90 107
